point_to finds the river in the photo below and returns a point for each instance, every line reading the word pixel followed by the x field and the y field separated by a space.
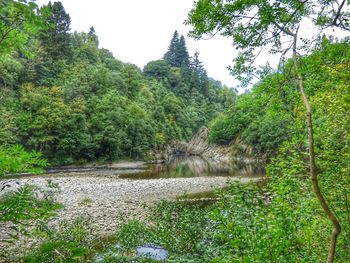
pixel 176 167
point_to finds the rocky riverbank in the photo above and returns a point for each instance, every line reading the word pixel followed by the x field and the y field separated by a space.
pixel 109 200
pixel 105 199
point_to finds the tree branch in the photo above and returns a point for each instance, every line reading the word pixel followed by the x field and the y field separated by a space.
pixel 338 13
pixel 5 34
pixel 312 164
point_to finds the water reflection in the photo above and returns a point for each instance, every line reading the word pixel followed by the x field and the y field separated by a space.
pixel 195 166
pixel 150 251
pixel 153 252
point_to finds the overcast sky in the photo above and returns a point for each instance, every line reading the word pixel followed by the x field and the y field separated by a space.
pixel 139 31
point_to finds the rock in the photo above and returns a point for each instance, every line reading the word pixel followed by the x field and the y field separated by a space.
pixel 8 186
pixel 199 145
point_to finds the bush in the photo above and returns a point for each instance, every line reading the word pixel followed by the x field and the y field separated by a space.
pixel 69 242
pixel 16 159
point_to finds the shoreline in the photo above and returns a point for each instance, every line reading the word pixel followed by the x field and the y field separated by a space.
pixel 107 199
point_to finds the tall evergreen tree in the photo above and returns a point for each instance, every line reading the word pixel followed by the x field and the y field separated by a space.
pixel 182 57
pixel 56 39
pixel 196 64
pixel 92 36
pixel 170 55
pixel 177 54
pixel 56 45
pixel 199 77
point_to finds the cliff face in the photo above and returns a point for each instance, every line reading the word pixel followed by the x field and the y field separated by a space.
pixel 199 145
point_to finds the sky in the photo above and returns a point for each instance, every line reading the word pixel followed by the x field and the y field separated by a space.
pixel 139 31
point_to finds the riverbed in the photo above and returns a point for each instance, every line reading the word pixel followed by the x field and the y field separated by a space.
pixel 112 193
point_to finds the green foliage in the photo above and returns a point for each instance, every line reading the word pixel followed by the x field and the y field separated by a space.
pixel 290 210
pixel 76 102
pixel 255 120
pixel 23 210
pixel 26 204
pixel 56 38
pixel 8 127
pixel 267 116
pixel 177 54
pixel 272 118
pixel 176 227
pixel 14 159
pixel 256 24
pixel 158 69
pixel 250 224
pixel 133 234
pixel 19 19
pixel 68 242
pixel 179 226
pixel 281 220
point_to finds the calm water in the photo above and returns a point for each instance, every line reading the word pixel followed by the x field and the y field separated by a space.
pixel 195 166
pixel 178 166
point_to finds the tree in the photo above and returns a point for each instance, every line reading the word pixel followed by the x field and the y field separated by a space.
pixel 56 39
pixel 158 69
pixel 133 79
pixel 43 118
pixel 92 36
pixel 196 64
pixel 170 55
pixel 18 20
pixel 177 54
pixel 182 57
pixel 55 46
pixel 254 25
pixel 200 74
pixel 85 47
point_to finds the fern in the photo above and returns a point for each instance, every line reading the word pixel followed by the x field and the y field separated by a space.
pixel 16 159
pixel 24 204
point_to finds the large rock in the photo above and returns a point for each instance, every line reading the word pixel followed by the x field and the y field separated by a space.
pixel 199 145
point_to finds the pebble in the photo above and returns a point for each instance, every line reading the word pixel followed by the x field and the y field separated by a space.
pixel 103 199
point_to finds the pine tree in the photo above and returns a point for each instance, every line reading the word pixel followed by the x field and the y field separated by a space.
pixel 56 39
pixel 196 64
pixel 177 54
pixel 56 45
pixel 92 36
pixel 182 57
pixel 170 55
pixel 199 77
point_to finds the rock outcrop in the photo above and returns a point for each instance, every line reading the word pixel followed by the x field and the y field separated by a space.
pixel 199 145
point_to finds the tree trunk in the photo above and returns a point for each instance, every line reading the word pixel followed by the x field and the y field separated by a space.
pixel 312 163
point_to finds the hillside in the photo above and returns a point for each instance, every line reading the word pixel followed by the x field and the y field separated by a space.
pixel 64 96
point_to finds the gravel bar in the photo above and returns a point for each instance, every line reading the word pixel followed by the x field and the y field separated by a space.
pixel 110 201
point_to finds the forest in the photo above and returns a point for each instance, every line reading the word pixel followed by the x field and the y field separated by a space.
pixel 64 100
pixel 64 96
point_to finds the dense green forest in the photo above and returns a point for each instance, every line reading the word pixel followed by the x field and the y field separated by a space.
pixel 271 114
pixel 64 96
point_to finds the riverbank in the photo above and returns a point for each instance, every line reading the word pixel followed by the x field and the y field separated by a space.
pixel 108 201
